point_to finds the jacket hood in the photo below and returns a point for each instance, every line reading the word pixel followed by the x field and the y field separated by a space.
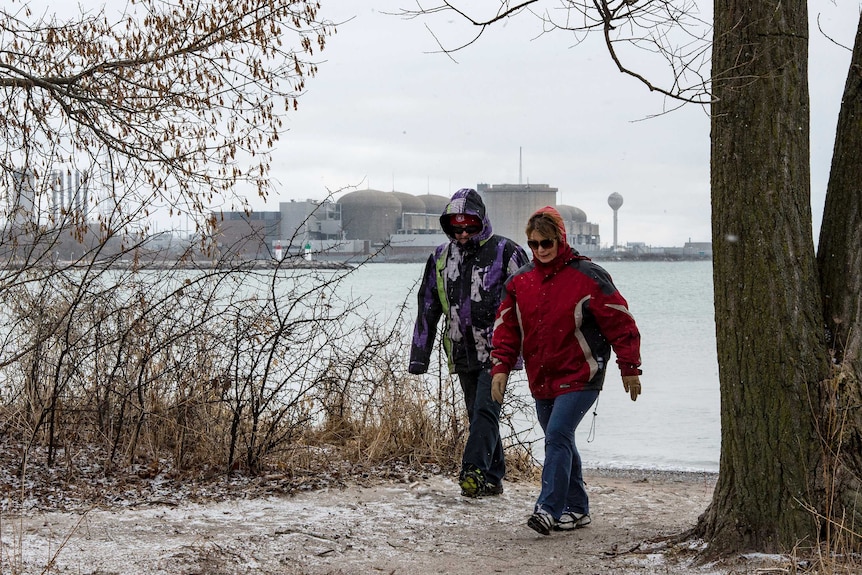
pixel 467 201
pixel 565 253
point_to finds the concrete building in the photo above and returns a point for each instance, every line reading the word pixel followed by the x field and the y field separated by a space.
pixel 247 236
pixel 21 199
pixel 509 206
pixel 362 222
pixel 424 221
pixel 59 198
pixel 434 204
pixel 302 221
pixel 697 249
pixel 370 215
pixel 69 196
pixel 582 235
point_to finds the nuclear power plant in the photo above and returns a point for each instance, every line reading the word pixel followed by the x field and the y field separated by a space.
pixel 360 225
pixel 397 226
pixel 404 226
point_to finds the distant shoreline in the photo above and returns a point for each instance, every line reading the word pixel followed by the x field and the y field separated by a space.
pixel 320 261
pixel 597 257
pixel 644 474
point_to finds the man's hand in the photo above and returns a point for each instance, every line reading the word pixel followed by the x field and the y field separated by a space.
pixel 498 387
pixel 632 384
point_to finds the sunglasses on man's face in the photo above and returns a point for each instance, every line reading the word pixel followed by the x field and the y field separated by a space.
pixel 545 244
pixel 466 229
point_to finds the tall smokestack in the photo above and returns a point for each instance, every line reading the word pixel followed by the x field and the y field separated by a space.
pixel 520 162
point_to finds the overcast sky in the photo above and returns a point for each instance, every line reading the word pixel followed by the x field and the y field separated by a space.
pixel 386 112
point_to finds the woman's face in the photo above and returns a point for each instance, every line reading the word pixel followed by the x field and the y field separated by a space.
pixel 544 249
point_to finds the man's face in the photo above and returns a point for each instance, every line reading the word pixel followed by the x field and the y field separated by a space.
pixel 464 233
pixel 464 227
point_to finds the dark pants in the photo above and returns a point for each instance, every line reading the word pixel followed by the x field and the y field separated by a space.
pixel 484 449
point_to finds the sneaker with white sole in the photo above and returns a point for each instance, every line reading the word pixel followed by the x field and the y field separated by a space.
pixel 570 520
pixel 541 522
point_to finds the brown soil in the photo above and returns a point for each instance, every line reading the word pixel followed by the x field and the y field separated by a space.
pixel 419 527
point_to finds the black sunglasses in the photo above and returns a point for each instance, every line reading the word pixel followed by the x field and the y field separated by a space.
pixel 546 244
pixel 469 229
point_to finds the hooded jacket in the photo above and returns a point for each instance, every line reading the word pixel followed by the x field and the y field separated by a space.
pixel 564 317
pixel 463 284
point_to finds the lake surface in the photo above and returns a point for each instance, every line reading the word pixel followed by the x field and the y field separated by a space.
pixel 675 423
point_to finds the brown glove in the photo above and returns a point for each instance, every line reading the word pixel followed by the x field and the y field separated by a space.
pixel 498 387
pixel 632 384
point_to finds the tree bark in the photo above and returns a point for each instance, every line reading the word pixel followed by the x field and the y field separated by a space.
pixel 839 260
pixel 771 350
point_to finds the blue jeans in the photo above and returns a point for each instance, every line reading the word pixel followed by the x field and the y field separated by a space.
pixel 484 449
pixel 562 478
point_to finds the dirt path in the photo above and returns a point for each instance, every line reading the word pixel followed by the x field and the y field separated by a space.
pixel 393 528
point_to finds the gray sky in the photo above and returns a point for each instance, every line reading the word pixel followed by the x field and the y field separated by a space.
pixel 387 113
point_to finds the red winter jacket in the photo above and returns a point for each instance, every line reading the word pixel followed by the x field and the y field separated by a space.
pixel 564 317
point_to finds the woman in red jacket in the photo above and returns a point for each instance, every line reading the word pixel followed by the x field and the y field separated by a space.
pixel 563 314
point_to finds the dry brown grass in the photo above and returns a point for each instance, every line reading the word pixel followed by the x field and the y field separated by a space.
pixel 114 388
pixel 156 375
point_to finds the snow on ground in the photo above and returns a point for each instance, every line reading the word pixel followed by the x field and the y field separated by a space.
pixel 388 527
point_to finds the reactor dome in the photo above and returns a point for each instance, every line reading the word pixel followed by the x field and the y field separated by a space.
pixel 434 204
pixel 410 204
pixel 369 215
pixel 565 212
pixel 572 214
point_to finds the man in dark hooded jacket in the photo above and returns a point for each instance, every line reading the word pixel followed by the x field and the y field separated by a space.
pixel 463 284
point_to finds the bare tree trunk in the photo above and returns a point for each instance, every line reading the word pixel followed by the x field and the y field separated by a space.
pixel 771 351
pixel 839 255
pixel 839 259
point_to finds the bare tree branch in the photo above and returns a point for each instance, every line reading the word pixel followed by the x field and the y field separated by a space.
pixel 670 30
pixel 190 97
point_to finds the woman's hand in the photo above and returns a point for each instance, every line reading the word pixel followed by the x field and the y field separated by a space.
pixel 498 387
pixel 632 385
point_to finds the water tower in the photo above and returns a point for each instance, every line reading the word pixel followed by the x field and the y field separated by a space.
pixel 615 201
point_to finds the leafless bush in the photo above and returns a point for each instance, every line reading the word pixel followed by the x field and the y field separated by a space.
pixel 150 355
pixel 216 367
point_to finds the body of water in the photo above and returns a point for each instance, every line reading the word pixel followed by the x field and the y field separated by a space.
pixel 674 424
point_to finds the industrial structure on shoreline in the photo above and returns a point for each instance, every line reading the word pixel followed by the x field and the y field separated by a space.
pixel 362 224
pixel 397 226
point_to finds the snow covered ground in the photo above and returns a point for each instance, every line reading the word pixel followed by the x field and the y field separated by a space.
pixel 419 527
